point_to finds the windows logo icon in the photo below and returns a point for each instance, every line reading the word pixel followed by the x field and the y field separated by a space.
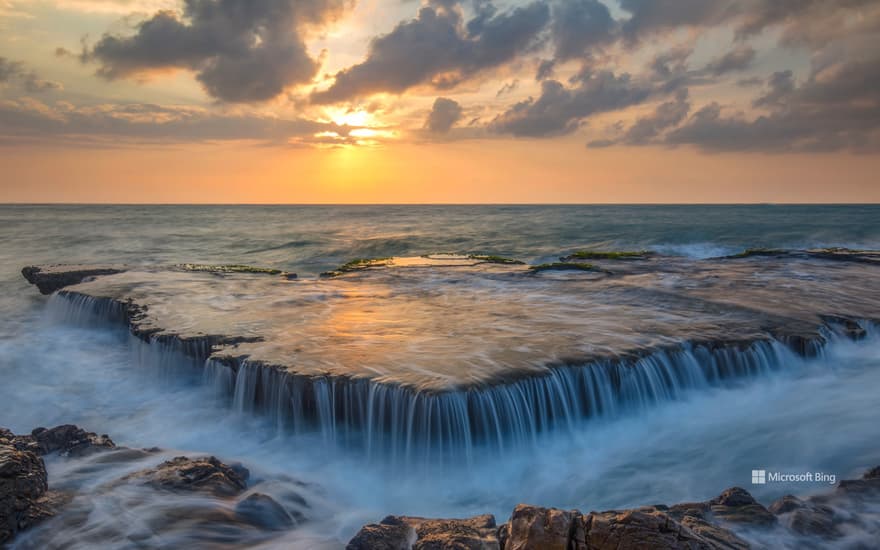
pixel 759 477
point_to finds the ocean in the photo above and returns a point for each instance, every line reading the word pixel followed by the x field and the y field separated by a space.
pixel 818 415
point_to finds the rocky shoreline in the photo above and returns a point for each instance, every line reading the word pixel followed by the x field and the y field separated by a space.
pixel 846 517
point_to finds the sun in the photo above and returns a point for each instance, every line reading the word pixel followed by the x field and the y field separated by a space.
pixel 352 118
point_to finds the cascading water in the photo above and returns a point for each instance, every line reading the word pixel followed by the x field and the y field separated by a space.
pixel 404 427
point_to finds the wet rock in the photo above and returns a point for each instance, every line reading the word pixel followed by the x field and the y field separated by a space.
pixel 867 486
pixel 642 528
pixel 532 527
pixel 23 488
pixel 393 532
pixel 69 440
pixel 477 533
pixel 718 536
pixel 736 505
pixel 263 511
pixel 389 534
pixel 48 280
pixel 805 517
pixel 205 474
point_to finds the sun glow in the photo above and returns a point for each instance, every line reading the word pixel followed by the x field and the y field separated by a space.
pixel 351 118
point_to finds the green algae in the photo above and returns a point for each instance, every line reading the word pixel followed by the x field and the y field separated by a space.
pixel 233 268
pixel 492 259
pixel 564 266
pixel 608 255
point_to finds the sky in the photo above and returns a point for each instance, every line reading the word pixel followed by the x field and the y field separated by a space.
pixel 439 101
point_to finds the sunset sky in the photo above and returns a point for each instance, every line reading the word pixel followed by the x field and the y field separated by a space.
pixel 388 101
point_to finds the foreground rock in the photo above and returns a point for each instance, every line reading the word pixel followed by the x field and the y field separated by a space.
pixel 23 488
pixel 205 475
pixel 403 532
pixel 734 520
pixel 204 500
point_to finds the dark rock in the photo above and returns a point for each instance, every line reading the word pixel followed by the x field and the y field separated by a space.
pixel 263 511
pixel 387 535
pixel 477 533
pixel 206 474
pixel 805 517
pixel 736 505
pixel 540 528
pixel 869 485
pixel 23 488
pixel 395 532
pixel 70 440
pixel 643 528
pixel 48 281
pixel 718 536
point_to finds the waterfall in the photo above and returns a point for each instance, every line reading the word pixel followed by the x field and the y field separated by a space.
pixel 401 425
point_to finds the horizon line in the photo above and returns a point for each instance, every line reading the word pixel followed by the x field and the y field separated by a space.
pixel 761 203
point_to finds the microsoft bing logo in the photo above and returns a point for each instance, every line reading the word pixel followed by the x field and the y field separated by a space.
pixel 759 477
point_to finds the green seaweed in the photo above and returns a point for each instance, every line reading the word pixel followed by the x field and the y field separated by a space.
pixel 608 255
pixel 357 264
pixel 233 268
pixel 564 266
pixel 492 259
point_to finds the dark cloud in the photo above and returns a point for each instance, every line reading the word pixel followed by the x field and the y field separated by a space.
pixel 14 72
pixel 560 110
pixel 240 51
pixel 671 62
pixel 545 69
pixel 32 120
pixel 439 50
pixel 580 25
pixel 781 86
pixel 654 16
pixel 666 115
pixel 443 116
pixel 738 59
pixel 836 108
pixel 507 88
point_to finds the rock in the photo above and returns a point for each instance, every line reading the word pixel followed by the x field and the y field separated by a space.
pixel 389 534
pixel 805 517
pixel 477 533
pixel 718 536
pixel 263 511
pixel 23 488
pixel 69 440
pixel 405 532
pixel 869 485
pixel 736 505
pixel 642 528
pixel 48 280
pixel 205 474
pixel 532 527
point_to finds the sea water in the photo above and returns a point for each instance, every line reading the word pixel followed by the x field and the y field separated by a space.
pixel 813 415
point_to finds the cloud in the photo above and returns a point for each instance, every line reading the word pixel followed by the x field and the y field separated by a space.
pixel 560 110
pixel 579 25
pixel 443 116
pixel 14 72
pixel 647 129
pixel 649 17
pixel 27 119
pixel 507 88
pixel 836 108
pixel 240 51
pixel 438 50
pixel 738 59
